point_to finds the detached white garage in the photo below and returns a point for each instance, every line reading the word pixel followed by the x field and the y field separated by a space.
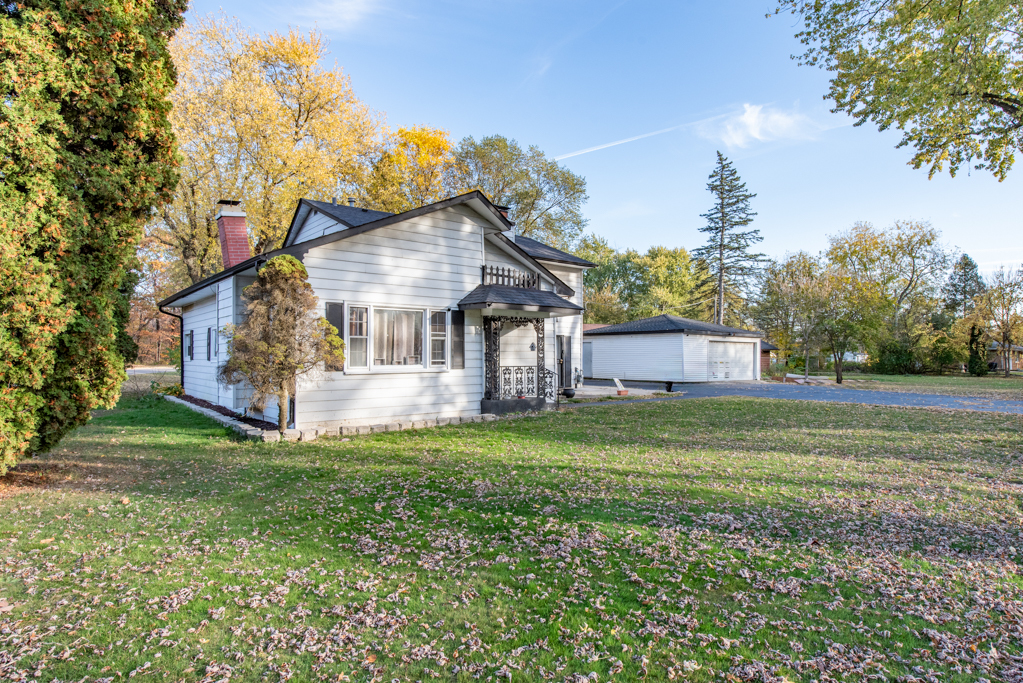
pixel 667 348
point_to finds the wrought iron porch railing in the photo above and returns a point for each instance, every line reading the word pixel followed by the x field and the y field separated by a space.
pixel 518 380
pixel 551 387
pixel 509 277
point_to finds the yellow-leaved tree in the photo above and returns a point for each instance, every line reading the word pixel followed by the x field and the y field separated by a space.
pixel 411 170
pixel 257 118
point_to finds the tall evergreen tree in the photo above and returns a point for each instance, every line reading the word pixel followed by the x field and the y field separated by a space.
pixel 727 251
pixel 86 152
pixel 963 285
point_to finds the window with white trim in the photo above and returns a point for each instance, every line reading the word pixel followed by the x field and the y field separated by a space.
pixel 397 337
pixel 358 337
pixel 438 339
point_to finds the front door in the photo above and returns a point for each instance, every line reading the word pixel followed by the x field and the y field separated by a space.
pixel 564 360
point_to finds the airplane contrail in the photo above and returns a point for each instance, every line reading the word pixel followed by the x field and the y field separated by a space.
pixel 620 142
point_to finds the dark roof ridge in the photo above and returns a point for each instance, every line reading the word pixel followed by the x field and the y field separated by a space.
pixel 667 323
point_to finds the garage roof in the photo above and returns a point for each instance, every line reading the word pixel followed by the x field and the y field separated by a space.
pixel 662 324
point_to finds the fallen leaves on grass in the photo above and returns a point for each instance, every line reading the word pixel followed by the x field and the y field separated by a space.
pixel 720 540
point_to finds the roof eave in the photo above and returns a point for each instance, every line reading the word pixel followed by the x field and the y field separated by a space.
pixel 520 307
pixel 705 333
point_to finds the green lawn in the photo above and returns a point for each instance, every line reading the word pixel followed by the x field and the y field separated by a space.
pixel 991 386
pixel 727 539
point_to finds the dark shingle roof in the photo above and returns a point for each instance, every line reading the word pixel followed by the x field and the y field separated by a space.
pixel 543 252
pixel 352 216
pixel 767 346
pixel 486 295
pixel 671 323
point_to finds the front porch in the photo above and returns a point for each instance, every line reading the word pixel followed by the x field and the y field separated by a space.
pixel 515 311
pixel 515 388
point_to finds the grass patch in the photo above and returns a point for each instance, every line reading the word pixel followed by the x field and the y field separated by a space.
pixel 991 386
pixel 736 538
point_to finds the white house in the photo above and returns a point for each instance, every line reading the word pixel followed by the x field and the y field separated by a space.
pixel 445 312
pixel 667 348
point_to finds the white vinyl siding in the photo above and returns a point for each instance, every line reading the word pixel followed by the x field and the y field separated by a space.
pixel 515 343
pixel 200 374
pixel 316 225
pixel 572 324
pixel 501 259
pixel 669 357
pixel 651 357
pixel 427 263
pixel 695 358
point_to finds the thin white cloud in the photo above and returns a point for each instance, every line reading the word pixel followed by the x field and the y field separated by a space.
pixel 336 15
pixel 755 123
pixel 759 123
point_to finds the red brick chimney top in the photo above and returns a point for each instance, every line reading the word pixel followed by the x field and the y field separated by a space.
pixel 234 235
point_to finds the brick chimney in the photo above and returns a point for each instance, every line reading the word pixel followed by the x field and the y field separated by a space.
pixel 234 237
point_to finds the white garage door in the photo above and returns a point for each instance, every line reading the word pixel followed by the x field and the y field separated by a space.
pixel 730 361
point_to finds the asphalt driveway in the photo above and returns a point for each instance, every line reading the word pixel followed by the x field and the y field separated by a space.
pixel 832 394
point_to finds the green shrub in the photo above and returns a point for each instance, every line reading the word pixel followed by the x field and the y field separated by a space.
pixel 894 358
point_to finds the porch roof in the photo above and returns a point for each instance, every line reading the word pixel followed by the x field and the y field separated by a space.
pixel 517 299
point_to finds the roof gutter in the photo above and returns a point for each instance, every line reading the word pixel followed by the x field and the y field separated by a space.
pixel 181 341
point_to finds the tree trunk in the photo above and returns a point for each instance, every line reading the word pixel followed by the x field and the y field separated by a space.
pixel 282 411
pixel 806 365
pixel 838 366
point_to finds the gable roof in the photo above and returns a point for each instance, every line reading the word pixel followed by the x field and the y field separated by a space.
pixel 544 252
pixel 476 199
pixel 661 324
pixel 351 216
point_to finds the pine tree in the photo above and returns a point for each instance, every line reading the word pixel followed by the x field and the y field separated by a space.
pixel 281 337
pixel 727 251
pixel 964 284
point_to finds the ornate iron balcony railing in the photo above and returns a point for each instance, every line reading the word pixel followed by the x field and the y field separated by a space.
pixel 509 277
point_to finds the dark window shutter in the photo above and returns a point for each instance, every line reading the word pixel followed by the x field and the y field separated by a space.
pixel 336 317
pixel 457 340
pixel 209 343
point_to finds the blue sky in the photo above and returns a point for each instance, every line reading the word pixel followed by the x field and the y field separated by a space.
pixel 573 75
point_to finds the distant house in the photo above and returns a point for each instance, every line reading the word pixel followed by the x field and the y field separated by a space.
pixel 995 359
pixel 667 348
pixel 444 310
